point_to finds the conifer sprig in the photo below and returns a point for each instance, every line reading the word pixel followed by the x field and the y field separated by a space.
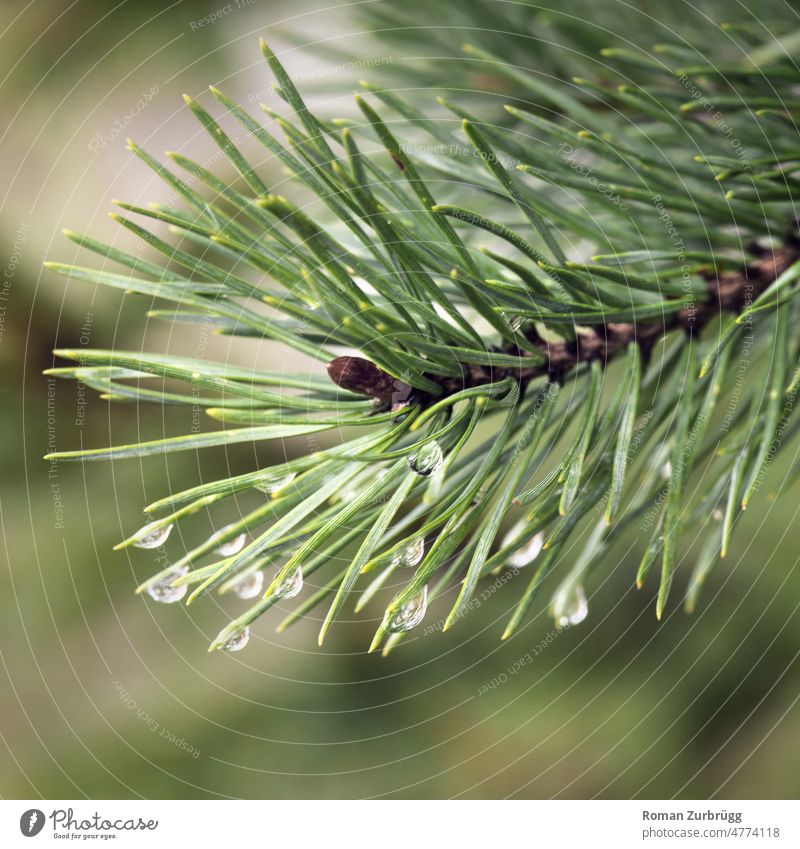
pixel 536 321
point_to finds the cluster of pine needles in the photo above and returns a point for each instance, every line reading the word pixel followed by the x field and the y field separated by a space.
pixel 471 262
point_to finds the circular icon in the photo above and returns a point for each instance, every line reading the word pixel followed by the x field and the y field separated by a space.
pixel 31 822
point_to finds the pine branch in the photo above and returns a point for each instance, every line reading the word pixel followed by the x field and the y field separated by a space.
pixel 729 292
pixel 428 334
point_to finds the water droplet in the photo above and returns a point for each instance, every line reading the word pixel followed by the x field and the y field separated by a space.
pixel 237 640
pixel 249 586
pixel 528 553
pixel 163 590
pixel 231 546
pixel 278 483
pixel 411 613
pixel 152 536
pixel 571 609
pixel 291 586
pixel 427 460
pixel 411 554
pixel 666 470
pixel 435 484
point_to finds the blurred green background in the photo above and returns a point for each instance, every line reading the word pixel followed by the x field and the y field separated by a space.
pixel 105 695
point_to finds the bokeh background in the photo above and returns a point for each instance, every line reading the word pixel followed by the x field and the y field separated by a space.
pixel 106 695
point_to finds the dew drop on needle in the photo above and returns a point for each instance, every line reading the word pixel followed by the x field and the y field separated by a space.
pixel 276 484
pixel 411 554
pixel 163 591
pixel 230 546
pixel 291 585
pixel 427 459
pixel 249 586
pixel 528 553
pixel 572 609
pixel 152 535
pixel 237 640
pixel 411 613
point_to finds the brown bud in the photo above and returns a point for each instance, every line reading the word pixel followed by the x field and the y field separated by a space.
pixel 359 375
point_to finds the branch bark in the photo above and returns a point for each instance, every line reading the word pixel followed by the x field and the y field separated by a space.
pixel 729 291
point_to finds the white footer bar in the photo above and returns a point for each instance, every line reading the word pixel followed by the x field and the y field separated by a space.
pixel 407 824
